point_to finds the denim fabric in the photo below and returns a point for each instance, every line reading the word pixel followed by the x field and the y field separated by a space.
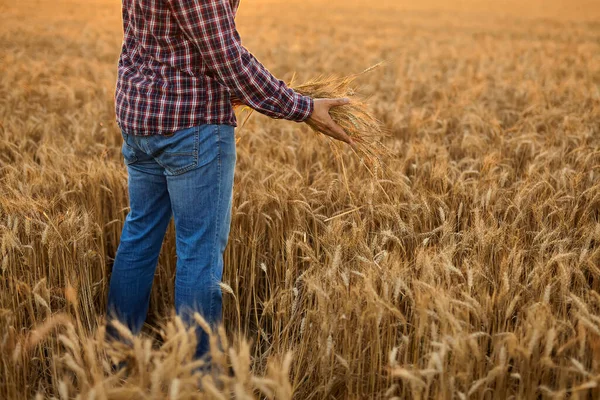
pixel 187 175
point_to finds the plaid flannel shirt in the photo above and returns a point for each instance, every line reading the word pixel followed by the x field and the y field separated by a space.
pixel 181 64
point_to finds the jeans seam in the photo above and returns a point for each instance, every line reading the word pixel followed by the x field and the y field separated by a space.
pixel 134 157
pixel 143 143
pixel 216 238
pixel 196 144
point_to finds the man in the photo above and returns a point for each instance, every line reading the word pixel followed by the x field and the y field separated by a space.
pixel 182 62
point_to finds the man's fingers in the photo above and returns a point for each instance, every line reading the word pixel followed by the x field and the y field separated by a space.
pixel 337 102
pixel 323 122
pixel 340 133
pixel 337 131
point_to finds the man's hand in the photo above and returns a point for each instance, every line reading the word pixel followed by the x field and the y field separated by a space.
pixel 321 120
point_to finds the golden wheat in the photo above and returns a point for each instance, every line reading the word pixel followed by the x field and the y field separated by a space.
pixel 468 267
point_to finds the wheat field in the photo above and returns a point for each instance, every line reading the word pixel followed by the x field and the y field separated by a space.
pixel 466 267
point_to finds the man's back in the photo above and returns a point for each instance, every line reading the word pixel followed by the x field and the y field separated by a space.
pixel 163 84
pixel 181 62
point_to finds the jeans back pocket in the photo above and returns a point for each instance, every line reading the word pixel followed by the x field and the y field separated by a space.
pixel 185 149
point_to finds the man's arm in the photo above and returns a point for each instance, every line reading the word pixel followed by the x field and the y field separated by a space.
pixel 210 25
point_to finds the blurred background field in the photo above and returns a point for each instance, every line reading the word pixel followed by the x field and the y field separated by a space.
pixel 469 268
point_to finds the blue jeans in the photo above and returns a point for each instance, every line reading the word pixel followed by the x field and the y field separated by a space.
pixel 188 175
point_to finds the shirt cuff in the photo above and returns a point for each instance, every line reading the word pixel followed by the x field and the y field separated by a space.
pixel 302 108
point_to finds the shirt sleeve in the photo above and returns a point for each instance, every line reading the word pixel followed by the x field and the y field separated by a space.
pixel 210 25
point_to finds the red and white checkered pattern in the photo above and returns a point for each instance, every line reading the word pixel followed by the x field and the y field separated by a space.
pixel 181 63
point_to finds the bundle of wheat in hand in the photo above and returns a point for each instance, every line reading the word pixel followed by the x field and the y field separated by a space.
pixel 354 117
